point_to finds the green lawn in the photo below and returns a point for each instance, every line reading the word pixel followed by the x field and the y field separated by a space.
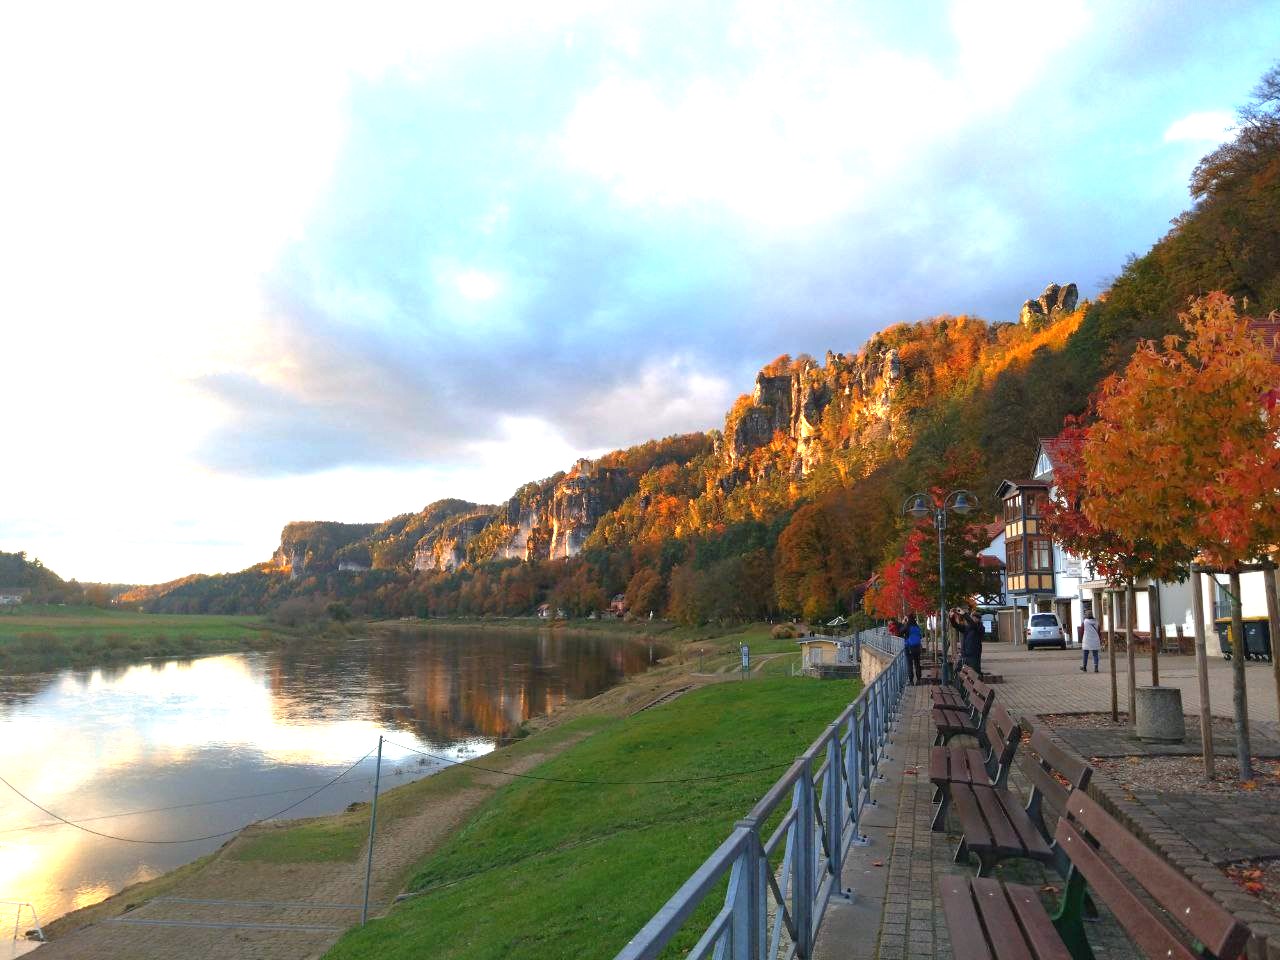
pixel 46 637
pixel 551 870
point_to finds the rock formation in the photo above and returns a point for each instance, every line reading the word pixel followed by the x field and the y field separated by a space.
pixel 1055 302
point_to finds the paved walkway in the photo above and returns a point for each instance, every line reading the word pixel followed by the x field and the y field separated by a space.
pixel 896 911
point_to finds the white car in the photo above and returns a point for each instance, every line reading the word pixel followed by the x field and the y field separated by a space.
pixel 1045 630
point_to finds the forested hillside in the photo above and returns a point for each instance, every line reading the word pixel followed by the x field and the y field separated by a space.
pixel 795 501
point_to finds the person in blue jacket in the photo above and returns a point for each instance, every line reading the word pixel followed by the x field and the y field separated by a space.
pixel 913 644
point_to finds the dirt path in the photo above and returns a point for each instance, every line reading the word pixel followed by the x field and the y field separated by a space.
pixel 253 910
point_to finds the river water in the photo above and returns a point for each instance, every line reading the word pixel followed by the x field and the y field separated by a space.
pixel 256 732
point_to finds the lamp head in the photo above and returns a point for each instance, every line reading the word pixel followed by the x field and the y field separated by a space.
pixel 965 502
pixel 918 506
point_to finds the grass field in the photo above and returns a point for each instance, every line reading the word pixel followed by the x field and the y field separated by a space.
pixel 550 870
pixel 47 637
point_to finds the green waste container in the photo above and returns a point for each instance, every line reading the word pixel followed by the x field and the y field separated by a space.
pixel 1257 637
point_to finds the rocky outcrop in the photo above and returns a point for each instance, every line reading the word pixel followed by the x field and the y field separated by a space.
pixel 445 548
pixel 312 546
pixel 1055 302
pixel 552 520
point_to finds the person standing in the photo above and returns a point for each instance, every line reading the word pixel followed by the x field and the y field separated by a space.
pixel 1090 642
pixel 971 640
pixel 913 644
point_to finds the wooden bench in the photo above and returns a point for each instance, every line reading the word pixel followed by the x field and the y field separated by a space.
pixel 953 697
pixel 988 920
pixel 962 768
pixel 968 720
pixel 995 824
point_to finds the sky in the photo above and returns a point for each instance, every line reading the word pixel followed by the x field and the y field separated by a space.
pixel 272 261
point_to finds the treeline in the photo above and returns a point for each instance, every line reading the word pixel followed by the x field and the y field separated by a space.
pixel 708 534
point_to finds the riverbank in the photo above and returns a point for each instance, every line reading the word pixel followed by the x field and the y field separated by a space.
pixel 445 833
pixel 53 637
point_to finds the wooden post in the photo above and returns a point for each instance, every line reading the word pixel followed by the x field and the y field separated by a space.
pixel 1157 630
pixel 1202 670
pixel 1111 655
pixel 1273 615
pixel 1131 655
pixel 1239 693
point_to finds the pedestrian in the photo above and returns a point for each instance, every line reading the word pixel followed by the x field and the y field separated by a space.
pixel 1090 642
pixel 913 644
pixel 971 641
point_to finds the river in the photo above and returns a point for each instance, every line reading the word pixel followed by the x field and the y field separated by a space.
pixel 137 751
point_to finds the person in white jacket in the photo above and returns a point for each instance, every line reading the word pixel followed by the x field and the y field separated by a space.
pixel 1091 641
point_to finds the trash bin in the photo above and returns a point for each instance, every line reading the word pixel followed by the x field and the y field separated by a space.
pixel 1257 637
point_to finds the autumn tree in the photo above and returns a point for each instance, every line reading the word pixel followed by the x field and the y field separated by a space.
pixel 1191 412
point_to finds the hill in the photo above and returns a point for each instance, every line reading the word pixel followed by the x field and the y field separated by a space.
pixel 790 505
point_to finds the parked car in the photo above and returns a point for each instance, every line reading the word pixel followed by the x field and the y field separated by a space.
pixel 1045 630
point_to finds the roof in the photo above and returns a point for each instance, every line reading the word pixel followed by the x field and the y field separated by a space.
pixel 1054 448
pixel 1269 328
pixel 20 591
pixel 987 560
pixel 1008 486
pixel 994 529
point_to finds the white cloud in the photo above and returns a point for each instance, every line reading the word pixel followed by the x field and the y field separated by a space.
pixel 1206 126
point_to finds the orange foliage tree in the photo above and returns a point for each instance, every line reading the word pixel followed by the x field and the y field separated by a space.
pixel 1185 455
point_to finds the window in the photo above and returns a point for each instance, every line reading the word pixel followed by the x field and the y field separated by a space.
pixel 1013 557
pixel 1035 503
pixel 1221 601
pixel 1044 620
pixel 1041 554
pixel 1013 508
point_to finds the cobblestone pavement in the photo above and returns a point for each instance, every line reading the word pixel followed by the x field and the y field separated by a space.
pixel 1050 681
pixel 897 877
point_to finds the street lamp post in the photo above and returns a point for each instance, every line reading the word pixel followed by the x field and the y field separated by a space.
pixel 920 506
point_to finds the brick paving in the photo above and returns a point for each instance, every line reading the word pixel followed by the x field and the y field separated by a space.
pixel 1117 742
pixel 898 875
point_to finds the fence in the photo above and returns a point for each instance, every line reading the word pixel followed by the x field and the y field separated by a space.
pixel 774 904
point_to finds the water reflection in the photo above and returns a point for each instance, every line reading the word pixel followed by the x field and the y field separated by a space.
pixel 255 732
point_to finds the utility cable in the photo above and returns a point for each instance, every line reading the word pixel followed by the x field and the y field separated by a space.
pixel 604 783
pixel 211 836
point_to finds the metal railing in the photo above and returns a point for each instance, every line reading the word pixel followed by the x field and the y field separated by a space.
pixel 779 884
pixel 17 920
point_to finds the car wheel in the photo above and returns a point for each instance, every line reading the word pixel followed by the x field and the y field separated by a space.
pixel 1062 646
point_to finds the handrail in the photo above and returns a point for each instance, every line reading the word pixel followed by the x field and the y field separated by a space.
pixel 17 920
pixel 774 909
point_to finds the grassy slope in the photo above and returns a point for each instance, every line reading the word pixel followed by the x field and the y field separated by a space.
pixel 554 870
pixel 40 637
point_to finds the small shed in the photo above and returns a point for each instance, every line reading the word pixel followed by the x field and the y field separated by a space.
pixel 12 596
pixel 827 657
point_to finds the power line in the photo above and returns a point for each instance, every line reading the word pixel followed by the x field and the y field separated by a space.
pixel 211 836
pixel 607 783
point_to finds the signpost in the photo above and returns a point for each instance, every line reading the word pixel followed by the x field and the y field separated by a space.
pixel 746 660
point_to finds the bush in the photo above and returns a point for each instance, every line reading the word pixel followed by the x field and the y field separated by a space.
pixel 784 631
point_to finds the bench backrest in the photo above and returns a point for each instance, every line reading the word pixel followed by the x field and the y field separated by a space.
pixel 1200 925
pixel 1053 773
pixel 1003 735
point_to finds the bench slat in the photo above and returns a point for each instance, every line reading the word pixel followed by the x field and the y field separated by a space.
pixel 998 918
pixel 1194 909
pixel 1042 780
pixel 1145 928
pixel 1007 841
pixel 968 942
pixel 1028 835
pixel 1039 929
pixel 977 832
pixel 1071 767
pixel 974 766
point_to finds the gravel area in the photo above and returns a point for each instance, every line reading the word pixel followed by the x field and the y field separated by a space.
pixel 1186 775
pixel 1102 721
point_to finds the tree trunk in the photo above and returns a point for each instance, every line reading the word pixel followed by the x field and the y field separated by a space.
pixel 1154 615
pixel 1202 670
pixel 1111 656
pixel 1130 655
pixel 1273 615
pixel 1239 695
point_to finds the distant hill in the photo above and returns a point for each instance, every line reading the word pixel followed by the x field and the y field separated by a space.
pixel 827 449
pixel 45 585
